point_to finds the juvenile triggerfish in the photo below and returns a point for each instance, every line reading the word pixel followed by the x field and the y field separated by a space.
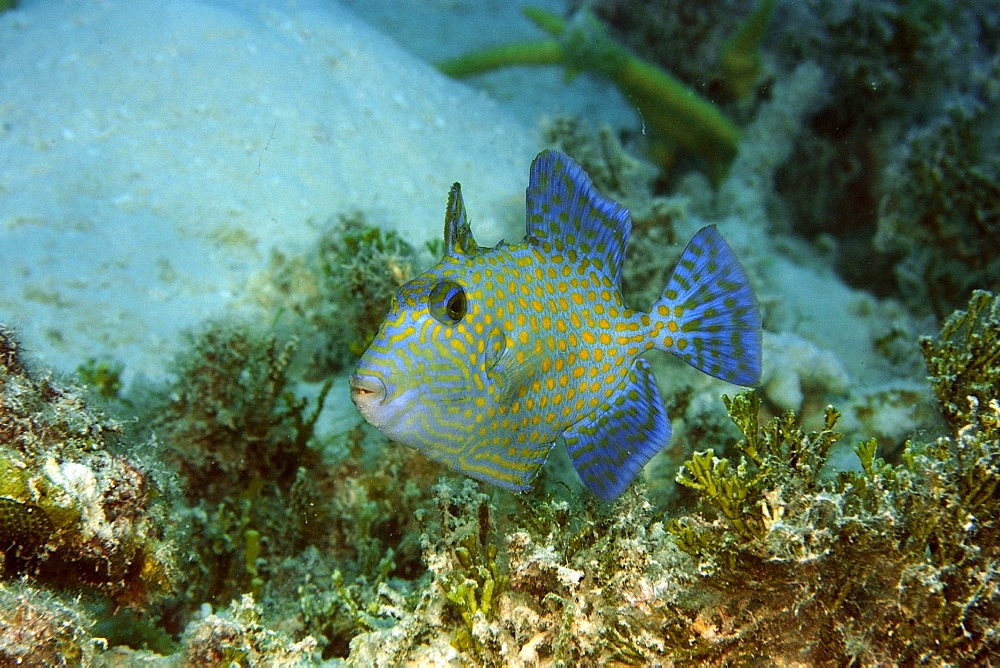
pixel 488 358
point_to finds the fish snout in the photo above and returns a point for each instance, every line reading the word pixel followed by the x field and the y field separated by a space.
pixel 367 392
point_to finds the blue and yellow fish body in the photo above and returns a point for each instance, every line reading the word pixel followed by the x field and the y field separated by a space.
pixel 488 358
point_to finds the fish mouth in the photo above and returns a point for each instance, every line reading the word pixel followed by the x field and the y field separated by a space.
pixel 367 392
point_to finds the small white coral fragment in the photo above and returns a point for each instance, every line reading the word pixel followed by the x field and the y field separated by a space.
pixel 795 368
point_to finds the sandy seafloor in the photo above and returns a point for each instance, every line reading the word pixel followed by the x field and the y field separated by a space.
pixel 156 152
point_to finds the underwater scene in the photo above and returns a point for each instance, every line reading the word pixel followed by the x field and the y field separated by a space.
pixel 542 333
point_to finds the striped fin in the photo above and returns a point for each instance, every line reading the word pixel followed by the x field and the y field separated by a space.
pixel 610 449
pixel 458 239
pixel 709 314
pixel 564 209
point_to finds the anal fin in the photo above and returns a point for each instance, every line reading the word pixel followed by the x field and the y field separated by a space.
pixel 610 449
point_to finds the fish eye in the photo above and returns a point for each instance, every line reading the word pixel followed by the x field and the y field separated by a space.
pixel 447 303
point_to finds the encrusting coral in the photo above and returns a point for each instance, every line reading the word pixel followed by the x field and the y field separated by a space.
pixel 39 629
pixel 75 510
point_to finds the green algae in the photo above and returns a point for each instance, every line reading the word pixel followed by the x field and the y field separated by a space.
pixel 903 548
pixel 677 115
pixel 964 360
pixel 230 417
pixel 336 298
pixel 103 375
pixel 776 455
pixel 741 60
pixel 478 576
pixel 942 207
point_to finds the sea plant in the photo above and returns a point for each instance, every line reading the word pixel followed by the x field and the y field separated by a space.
pixel 964 360
pixel 237 439
pixel 339 296
pixel 889 563
pixel 679 118
pixel 778 455
pixel 741 60
pixel 941 210
pixel 104 376
pixel 460 544
pixel 230 419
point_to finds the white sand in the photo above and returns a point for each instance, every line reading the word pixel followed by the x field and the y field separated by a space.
pixel 154 151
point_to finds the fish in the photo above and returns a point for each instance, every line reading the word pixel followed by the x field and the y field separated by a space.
pixel 491 357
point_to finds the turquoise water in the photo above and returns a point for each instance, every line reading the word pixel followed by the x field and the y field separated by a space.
pixel 206 207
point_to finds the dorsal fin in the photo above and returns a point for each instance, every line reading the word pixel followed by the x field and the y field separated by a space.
pixel 458 239
pixel 565 209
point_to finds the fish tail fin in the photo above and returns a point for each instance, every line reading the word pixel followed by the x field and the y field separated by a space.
pixel 709 314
